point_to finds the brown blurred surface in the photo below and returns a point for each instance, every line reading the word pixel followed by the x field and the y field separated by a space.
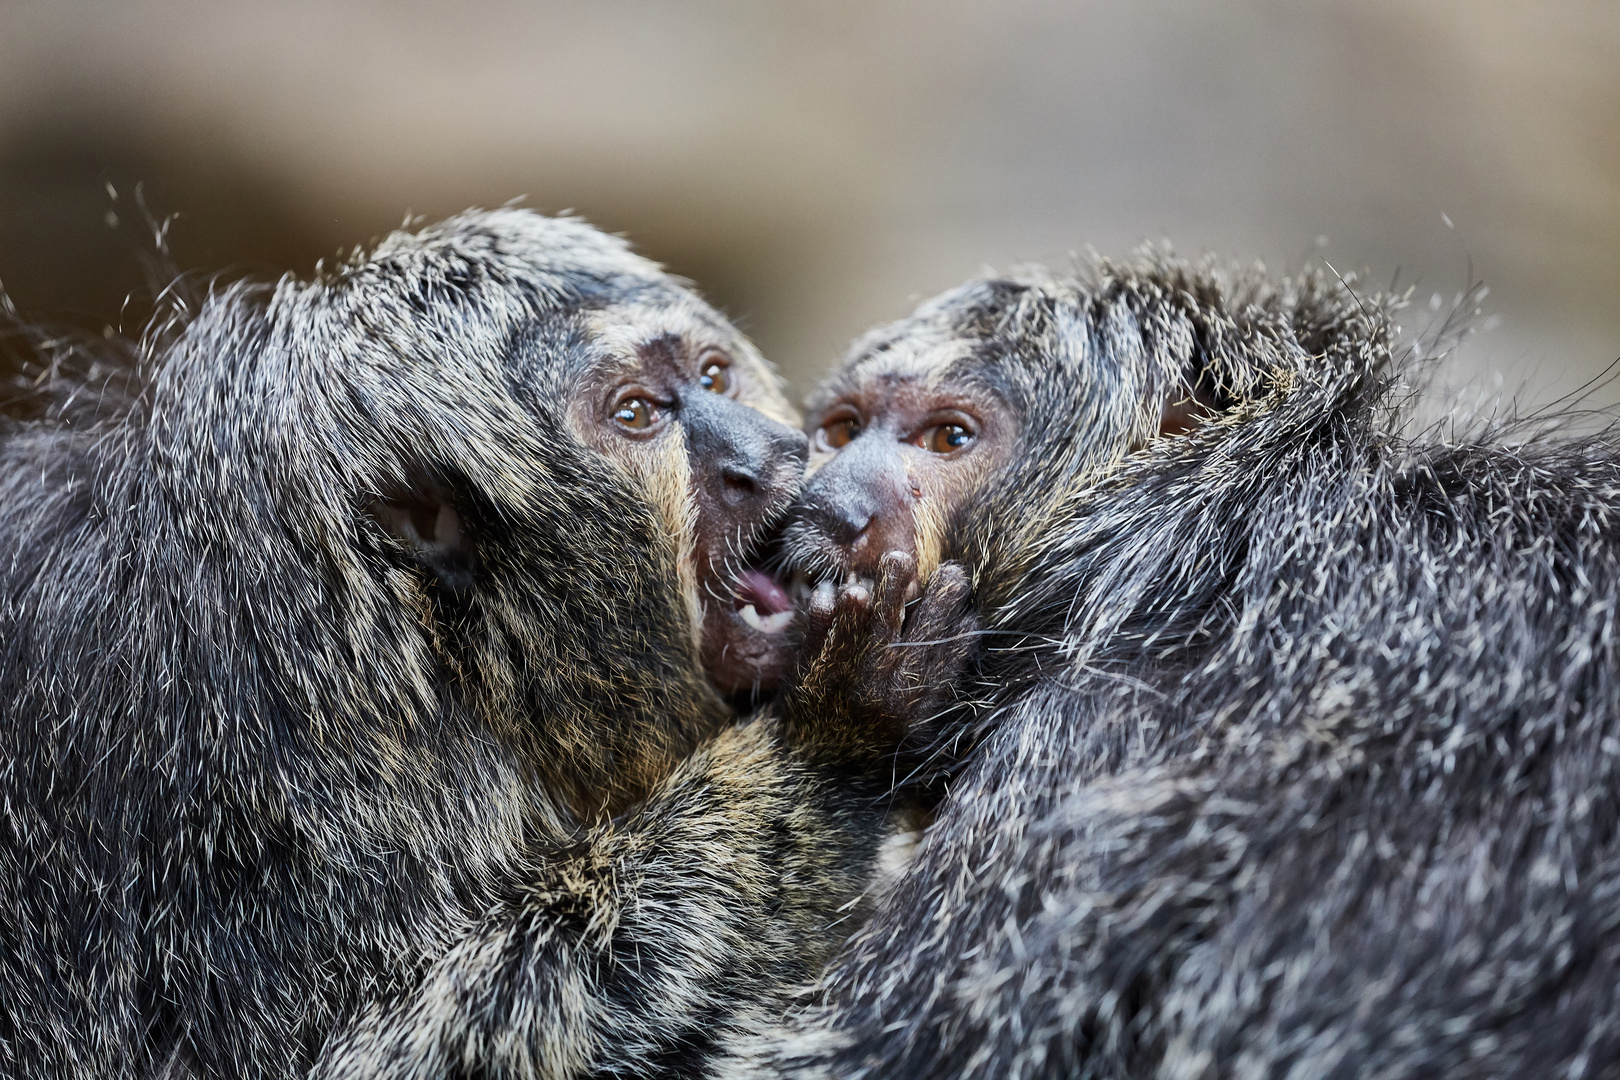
pixel 817 168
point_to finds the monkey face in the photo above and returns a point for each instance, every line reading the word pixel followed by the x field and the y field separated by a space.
pixel 912 440
pixel 898 444
pixel 679 399
pixel 567 469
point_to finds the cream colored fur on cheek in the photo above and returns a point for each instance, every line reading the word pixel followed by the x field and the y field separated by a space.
pixel 666 469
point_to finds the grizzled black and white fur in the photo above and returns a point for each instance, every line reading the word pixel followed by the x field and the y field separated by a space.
pixel 1294 744
pixel 356 713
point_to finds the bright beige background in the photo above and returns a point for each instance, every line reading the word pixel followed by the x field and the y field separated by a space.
pixel 818 167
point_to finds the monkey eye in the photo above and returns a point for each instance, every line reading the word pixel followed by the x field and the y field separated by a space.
pixel 715 375
pixel 835 434
pixel 636 413
pixel 945 438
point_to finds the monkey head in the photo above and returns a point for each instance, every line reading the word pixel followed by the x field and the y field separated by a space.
pixel 953 433
pixel 568 467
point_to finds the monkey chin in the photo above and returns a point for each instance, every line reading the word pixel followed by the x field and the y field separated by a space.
pixel 748 646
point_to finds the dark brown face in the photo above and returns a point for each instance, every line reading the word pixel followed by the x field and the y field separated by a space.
pixel 686 410
pixel 892 456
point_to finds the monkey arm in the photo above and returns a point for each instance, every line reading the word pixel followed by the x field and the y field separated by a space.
pixel 724 892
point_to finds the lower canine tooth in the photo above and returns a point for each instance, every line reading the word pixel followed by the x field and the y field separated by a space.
pixel 751 617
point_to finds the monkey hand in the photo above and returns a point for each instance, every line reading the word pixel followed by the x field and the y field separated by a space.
pixel 878 675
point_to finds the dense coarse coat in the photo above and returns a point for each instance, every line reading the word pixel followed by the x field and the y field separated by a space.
pixel 351 708
pixel 1297 736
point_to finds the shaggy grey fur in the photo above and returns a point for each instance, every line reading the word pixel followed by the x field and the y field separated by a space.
pixel 280 790
pixel 1297 738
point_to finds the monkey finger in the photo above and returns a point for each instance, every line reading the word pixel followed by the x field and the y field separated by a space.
pixel 835 635
pixel 853 609
pixel 941 610
pixel 818 618
pixel 896 571
pixel 848 626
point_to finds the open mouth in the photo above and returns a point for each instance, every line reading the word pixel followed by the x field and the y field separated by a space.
pixel 748 643
pixel 813 560
pixel 762 602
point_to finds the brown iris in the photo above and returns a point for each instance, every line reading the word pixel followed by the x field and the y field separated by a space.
pixel 715 376
pixel 945 438
pixel 636 413
pixel 835 434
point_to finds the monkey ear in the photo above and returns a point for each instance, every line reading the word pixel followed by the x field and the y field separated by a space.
pixel 1187 407
pixel 427 525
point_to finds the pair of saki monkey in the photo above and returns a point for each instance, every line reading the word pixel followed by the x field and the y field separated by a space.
pixel 387 668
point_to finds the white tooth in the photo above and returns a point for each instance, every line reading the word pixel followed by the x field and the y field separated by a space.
pixel 751 617
pixel 773 623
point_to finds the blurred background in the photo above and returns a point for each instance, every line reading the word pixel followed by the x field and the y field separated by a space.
pixel 820 167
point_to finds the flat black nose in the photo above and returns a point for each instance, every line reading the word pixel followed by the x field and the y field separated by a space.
pixel 862 503
pixel 845 496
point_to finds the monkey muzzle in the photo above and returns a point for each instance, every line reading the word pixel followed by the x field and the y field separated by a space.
pixel 747 468
pixel 855 509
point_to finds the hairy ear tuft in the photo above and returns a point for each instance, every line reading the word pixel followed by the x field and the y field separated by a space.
pixel 424 521
pixel 1185 409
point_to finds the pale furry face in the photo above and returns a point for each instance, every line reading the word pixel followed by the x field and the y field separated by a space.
pixel 545 331
pixel 686 405
pixel 897 441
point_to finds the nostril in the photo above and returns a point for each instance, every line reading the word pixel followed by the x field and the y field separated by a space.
pixel 739 483
pixel 848 531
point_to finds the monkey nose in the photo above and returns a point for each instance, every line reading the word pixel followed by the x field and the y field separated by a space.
pixel 844 528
